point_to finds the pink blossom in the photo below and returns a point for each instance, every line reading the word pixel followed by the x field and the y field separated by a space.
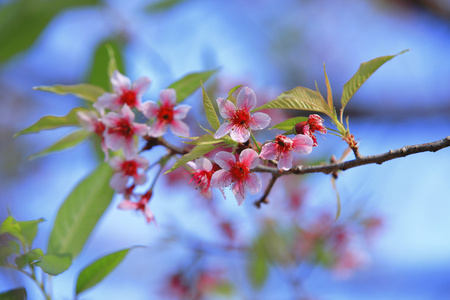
pixel 237 173
pixel 239 121
pixel 121 130
pixel 91 122
pixel 124 169
pixel 281 149
pixel 166 115
pixel 142 206
pixel 313 124
pixel 202 171
pixel 124 93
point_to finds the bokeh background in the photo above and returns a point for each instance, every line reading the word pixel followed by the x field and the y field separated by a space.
pixel 271 46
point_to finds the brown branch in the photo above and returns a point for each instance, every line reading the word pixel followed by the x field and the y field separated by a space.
pixel 362 160
pixel 267 191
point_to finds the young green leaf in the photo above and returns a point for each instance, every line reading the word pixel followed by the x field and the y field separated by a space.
pixel 15 294
pixel 230 93
pixel 98 270
pixel 210 112
pixel 52 122
pixel 190 83
pixel 29 230
pixel 329 93
pixel 84 91
pixel 299 98
pixel 289 123
pixel 195 153
pixel 205 139
pixel 66 142
pixel 54 264
pixel 80 212
pixel 364 72
pixel 29 258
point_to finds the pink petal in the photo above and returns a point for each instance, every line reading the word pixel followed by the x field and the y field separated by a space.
pixel 141 85
pixel 180 111
pixel 140 178
pixel 157 129
pixel 107 100
pixel 253 183
pixel 114 141
pixel 148 214
pixel 246 99
pixel 225 160
pixel 239 134
pixel 129 147
pixel 118 182
pixel 269 151
pixel 120 82
pixel 142 162
pixel 128 205
pixel 226 108
pixel 179 128
pixel 168 97
pixel 116 163
pixel 140 129
pixel 223 130
pixel 239 192
pixel 87 120
pixel 150 109
pixel 221 179
pixel 192 165
pixel 302 144
pixel 203 164
pixel 111 119
pixel 249 158
pixel 285 160
pixel 127 113
pixel 259 121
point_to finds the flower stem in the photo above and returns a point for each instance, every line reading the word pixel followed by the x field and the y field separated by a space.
pixel 255 142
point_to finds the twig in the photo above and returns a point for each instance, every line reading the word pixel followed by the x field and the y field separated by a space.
pixel 267 191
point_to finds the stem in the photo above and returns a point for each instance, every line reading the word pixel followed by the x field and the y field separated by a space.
pixel 255 142
pixel 266 192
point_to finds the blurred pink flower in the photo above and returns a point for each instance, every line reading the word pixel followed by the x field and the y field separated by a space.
pixel 166 114
pixel 142 206
pixel 91 122
pixel 123 93
pixel 121 130
pixel 281 149
pixel 202 171
pixel 126 168
pixel 237 173
pixel 313 124
pixel 239 121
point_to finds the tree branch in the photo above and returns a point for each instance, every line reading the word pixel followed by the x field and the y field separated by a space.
pixel 362 160
pixel 266 193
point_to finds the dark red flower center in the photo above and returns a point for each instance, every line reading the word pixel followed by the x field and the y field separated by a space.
pixel 128 97
pixel 241 118
pixel 99 127
pixel 123 127
pixel 129 167
pixel 165 114
pixel 283 143
pixel 239 171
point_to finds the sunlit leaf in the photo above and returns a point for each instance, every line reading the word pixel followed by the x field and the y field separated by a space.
pixel 210 112
pixel 12 227
pixel 28 258
pixel 54 264
pixel 195 153
pixel 365 70
pixel 190 83
pixel 80 212
pixel 66 142
pixel 299 98
pixel 98 270
pixel 84 91
pixel 15 294
pixel 52 122
pixel 163 5
pixel 289 123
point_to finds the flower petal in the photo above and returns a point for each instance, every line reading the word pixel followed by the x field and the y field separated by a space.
pixel 239 134
pixel 127 113
pixel 302 144
pixel 116 163
pixel 239 191
pixel 118 182
pixel 225 160
pixel 269 151
pixel 141 85
pixel 285 160
pixel 168 97
pixel 259 121
pixel 253 183
pixel 246 99
pixel 107 100
pixel 223 130
pixel 120 82
pixel 249 158
pixel 127 205
pixel 150 109
pixel 140 129
pixel 140 178
pixel 180 111
pixel 148 214
pixel 179 128
pixel 226 108
pixel 221 179
pixel 157 129
pixel 203 164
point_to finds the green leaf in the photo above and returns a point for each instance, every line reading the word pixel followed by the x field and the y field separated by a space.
pixel 195 153
pixel 224 288
pixel 54 264
pixel 52 122
pixel 80 212
pixel 12 227
pixel 329 93
pixel 29 258
pixel 98 270
pixel 289 123
pixel 108 57
pixel 16 35
pixel 84 91
pixel 257 267
pixel 299 98
pixel 68 141
pixel 162 5
pixel 230 93
pixel 210 112
pixel 15 294
pixel 205 139
pixel 190 83
pixel 365 70
pixel 29 230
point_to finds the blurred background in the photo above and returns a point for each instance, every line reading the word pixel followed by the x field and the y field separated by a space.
pixel 205 248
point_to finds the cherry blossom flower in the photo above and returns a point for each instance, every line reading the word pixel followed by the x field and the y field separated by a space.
pixel 239 121
pixel 124 93
pixel 281 149
pixel 237 173
pixel 91 122
pixel 141 206
pixel 166 115
pixel 313 124
pixel 202 173
pixel 124 169
pixel 120 131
